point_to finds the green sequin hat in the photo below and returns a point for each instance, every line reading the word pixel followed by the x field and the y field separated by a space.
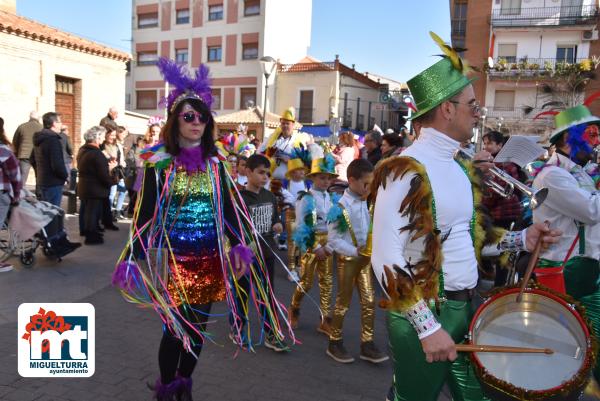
pixel 441 81
pixel 571 117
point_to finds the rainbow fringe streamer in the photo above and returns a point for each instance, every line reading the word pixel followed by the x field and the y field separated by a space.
pixel 143 279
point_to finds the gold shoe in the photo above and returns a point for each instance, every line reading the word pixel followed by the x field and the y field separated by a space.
pixel 325 326
pixel 293 315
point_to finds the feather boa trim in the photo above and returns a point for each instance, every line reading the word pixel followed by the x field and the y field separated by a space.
pixel 423 282
pixel 304 235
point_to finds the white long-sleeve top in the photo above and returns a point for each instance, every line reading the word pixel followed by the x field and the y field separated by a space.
pixel 454 208
pixel 290 194
pixel 322 206
pixel 571 198
pixel 284 146
pixel 360 220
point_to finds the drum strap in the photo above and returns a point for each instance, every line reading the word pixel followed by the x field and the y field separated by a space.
pixel 572 247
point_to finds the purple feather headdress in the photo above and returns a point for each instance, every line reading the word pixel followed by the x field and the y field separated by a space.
pixel 184 86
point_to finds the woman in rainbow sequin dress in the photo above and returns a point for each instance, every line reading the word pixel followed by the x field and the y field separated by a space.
pixel 191 236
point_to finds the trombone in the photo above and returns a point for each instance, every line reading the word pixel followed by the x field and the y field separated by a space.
pixel 537 197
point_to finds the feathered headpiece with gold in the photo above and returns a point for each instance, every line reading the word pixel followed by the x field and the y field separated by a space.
pixel 183 85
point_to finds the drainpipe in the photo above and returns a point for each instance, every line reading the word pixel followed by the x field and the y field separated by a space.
pixel 357 111
pixel 345 107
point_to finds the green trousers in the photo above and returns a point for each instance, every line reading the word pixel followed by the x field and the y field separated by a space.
pixel 581 281
pixel 417 380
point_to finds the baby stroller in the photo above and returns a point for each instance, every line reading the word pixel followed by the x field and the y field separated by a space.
pixel 23 231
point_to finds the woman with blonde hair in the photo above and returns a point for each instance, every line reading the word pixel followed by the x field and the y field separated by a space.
pixel 152 135
pixel 344 154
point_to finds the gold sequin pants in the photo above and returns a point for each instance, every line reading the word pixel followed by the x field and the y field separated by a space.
pixel 324 269
pixel 354 272
pixel 290 223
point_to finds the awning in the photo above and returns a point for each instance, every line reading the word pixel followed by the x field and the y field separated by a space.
pixel 323 130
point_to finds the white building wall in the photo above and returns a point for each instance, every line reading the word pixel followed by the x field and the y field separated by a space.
pixel 355 90
pixel 541 44
pixel 287 29
pixel 322 83
pixel 525 95
pixel 29 69
pixel 280 37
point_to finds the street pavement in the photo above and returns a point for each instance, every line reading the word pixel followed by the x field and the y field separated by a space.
pixel 127 339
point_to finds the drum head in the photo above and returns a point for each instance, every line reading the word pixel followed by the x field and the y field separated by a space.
pixel 538 321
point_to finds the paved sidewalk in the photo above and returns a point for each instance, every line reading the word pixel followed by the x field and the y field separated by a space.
pixel 128 338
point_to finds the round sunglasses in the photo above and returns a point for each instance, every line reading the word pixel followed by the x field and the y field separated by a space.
pixel 190 116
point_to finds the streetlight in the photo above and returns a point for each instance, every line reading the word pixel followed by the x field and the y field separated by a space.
pixel 268 65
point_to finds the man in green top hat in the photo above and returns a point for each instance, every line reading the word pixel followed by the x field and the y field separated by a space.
pixel 573 206
pixel 427 238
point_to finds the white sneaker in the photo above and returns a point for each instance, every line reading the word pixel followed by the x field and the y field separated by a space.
pixel 282 246
pixel 293 276
pixel 5 267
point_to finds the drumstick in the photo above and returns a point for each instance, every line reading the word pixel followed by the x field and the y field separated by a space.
pixel 499 348
pixel 532 263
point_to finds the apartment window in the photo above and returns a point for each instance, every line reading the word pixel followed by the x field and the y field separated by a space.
pixel 146 100
pixel 216 94
pixel 215 13
pixel 147 58
pixel 510 7
pixel 305 114
pixel 182 16
pixel 251 7
pixel 249 51
pixel 566 53
pixel 504 100
pixel 459 19
pixel 181 56
pixel 247 97
pixel 508 52
pixel 149 20
pixel 214 53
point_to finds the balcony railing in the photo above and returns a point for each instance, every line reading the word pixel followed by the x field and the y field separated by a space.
pixel 519 113
pixel 537 67
pixel 544 16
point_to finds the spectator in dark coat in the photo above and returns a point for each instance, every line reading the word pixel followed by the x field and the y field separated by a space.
pixel 372 146
pixel 23 142
pixel 48 160
pixel 109 121
pixel 93 187
pixel 67 149
pixel 391 145
pixel 51 174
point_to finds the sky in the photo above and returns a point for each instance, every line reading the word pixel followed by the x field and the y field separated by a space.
pixel 388 38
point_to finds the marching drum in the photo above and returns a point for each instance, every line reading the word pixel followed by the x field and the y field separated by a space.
pixel 541 320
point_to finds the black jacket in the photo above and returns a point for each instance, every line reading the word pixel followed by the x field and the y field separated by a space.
pixel 94 178
pixel 47 159
pixel 374 156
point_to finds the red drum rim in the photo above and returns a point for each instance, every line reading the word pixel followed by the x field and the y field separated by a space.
pixel 558 298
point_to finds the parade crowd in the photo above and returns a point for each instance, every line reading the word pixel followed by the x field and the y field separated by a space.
pixel 399 210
